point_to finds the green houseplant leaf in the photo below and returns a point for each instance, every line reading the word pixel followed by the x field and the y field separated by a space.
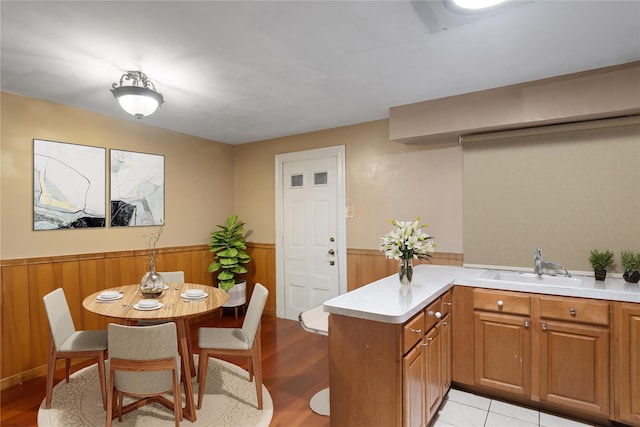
pixel 228 246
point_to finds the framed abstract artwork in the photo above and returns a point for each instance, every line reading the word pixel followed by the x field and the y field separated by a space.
pixel 69 188
pixel 137 189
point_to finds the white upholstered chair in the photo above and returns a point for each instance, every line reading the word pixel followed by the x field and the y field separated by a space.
pixel 243 341
pixel 143 363
pixel 66 343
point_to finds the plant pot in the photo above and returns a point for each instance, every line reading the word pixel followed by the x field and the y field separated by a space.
pixel 631 276
pixel 600 274
pixel 237 295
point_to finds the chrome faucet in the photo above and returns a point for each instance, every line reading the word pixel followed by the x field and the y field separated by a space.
pixel 537 259
pixel 539 264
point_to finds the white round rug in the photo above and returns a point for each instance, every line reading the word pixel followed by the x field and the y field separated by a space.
pixel 229 401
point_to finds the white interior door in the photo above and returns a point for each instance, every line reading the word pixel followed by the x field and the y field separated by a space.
pixel 312 255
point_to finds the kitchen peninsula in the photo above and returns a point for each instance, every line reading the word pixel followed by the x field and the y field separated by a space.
pixel 395 350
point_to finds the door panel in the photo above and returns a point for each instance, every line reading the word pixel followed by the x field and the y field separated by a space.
pixel 310 230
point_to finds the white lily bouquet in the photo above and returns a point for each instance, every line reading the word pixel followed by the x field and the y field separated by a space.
pixel 405 243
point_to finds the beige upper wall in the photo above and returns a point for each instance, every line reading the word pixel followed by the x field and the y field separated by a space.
pixel 198 179
pixel 384 181
pixel 206 180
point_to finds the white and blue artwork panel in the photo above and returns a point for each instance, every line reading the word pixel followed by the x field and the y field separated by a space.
pixel 137 189
pixel 69 189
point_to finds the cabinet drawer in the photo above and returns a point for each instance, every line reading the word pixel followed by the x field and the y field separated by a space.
pixel 433 313
pixel 575 310
pixel 446 302
pixel 501 301
pixel 413 332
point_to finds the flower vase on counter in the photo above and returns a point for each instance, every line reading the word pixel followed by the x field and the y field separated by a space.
pixel 152 283
pixel 406 271
pixel 405 243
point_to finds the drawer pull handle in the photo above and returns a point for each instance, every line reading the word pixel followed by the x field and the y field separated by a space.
pixel 500 303
pixel 429 339
pixel 526 324
pixel 425 344
pixel 438 315
pixel 572 312
pixel 447 303
pixel 445 323
pixel 544 327
pixel 417 331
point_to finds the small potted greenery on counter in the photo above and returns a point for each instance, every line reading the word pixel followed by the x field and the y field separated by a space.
pixel 631 263
pixel 600 261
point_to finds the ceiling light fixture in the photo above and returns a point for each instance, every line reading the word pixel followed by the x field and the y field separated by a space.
pixel 477 4
pixel 137 95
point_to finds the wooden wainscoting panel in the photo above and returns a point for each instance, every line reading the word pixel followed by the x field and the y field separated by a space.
pixel 368 265
pixel 16 322
pixel 25 329
pixel 262 269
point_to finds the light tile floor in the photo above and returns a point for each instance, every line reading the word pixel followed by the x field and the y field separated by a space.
pixel 462 409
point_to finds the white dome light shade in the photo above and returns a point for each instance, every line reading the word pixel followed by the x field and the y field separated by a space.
pixel 477 4
pixel 138 99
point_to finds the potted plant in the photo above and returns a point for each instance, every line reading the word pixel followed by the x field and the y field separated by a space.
pixel 229 253
pixel 229 256
pixel 631 263
pixel 600 261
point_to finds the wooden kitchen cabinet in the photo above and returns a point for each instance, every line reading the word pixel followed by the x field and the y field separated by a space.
pixel 628 363
pixel 434 390
pixel 427 359
pixel 502 341
pixel 573 345
pixel 548 349
pixel 414 400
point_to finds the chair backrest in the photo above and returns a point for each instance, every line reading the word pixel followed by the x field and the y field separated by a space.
pixel 143 343
pixel 171 276
pixel 59 315
pixel 254 312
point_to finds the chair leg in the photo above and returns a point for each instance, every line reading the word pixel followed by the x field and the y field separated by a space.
pixel 177 404
pixel 101 374
pixel 110 401
pixel 250 367
pixel 67 368
pixel 51 371
pixel 203 362
pixel 257 371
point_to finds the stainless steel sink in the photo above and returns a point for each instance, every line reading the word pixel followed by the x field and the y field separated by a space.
pixel 530 278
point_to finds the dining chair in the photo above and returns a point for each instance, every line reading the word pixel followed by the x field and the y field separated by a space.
pixel 244 341
pixel 171 276
pixel 168 277
pixel 143 363
pixel 66 343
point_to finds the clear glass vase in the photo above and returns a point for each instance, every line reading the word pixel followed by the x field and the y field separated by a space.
pixel 405 273
pixel 152 283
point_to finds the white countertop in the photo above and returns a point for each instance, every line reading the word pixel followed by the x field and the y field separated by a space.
pixel 386 300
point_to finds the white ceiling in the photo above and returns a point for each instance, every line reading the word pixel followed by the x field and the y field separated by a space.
pixel 240 71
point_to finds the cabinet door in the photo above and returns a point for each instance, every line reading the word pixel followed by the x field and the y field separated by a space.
pixel 433 361
pixel 414 372
pixel 574 366
pixel 629 364
pixel 502 352
pixel 447 327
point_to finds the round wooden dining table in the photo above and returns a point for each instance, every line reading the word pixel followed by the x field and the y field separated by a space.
pixel 174 308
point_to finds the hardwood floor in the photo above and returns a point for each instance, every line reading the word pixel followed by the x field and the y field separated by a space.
pixel 295 366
